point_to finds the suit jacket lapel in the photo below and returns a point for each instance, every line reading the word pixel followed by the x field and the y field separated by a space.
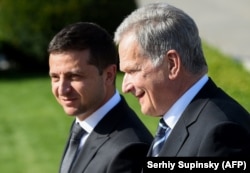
pixel 180 132
pixel 91 146
pixel 67 145
pixel 175 140
pixel 97 138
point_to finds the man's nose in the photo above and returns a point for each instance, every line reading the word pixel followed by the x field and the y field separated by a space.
pixel 64 87
pixel 126 84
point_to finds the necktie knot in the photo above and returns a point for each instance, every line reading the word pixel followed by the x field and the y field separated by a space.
pixel 77 132
pixel 160 137
pixel 162 128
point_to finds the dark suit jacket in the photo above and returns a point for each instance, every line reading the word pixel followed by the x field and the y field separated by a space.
pixel 118 144
pixel 213 125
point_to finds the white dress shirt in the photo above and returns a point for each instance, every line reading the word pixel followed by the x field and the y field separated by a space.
pixel 89 123
pixel 173 115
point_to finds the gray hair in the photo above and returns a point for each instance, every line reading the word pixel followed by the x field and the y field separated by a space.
pixel 160 27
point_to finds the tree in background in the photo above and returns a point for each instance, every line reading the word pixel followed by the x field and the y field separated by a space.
pixel 26 27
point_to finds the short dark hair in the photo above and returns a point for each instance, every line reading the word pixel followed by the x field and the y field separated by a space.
pixel 84 35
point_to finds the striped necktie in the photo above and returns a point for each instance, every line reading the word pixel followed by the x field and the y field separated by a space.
pixel 160 137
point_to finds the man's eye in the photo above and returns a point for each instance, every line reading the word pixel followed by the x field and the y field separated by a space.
pixel 54 78
pixel 75 77
pixel 132 71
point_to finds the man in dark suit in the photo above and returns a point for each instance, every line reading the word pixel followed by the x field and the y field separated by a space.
pixel 161 55
pixel 106 136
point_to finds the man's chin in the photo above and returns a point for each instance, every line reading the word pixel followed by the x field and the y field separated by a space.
pixel 145 112
pixel 70 112
pixel 148 112
pixel 71 115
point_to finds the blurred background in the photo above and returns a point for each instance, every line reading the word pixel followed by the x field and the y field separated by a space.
pixel 33 127
pixel 26 26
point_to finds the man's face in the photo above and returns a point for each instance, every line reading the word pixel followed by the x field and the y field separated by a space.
pixel 148 83
pixel 77 85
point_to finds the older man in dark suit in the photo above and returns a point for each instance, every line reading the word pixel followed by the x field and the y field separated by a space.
pixel 161 55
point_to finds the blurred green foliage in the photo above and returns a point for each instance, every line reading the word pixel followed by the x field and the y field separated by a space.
pixel 30 25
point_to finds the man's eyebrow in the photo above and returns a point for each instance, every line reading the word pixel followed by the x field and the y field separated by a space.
pixel 67 73
pixel 76 71
pixel 52 73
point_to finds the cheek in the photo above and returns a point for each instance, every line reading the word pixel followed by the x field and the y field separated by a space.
pixel 82 89
pixel 155 89
pixel 140 80
pixel 76 88
pixel 54 89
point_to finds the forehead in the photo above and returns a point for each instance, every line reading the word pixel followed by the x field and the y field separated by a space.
pixel 128 49
pixel 130 53
pixel 68 60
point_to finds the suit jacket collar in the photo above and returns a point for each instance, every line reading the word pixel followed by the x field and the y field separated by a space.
pixel 98 137
pixel 180 133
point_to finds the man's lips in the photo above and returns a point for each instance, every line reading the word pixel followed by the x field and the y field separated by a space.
pixel 68 101
pixel 139 95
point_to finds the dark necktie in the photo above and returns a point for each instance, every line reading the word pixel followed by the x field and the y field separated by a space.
pixel 76 135
pixel 160 137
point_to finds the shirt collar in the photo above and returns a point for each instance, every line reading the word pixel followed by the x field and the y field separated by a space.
pixel 172 116
pixel 89 123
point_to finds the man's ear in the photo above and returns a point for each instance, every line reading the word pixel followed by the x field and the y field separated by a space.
pixel 174 63
pixel 110 72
